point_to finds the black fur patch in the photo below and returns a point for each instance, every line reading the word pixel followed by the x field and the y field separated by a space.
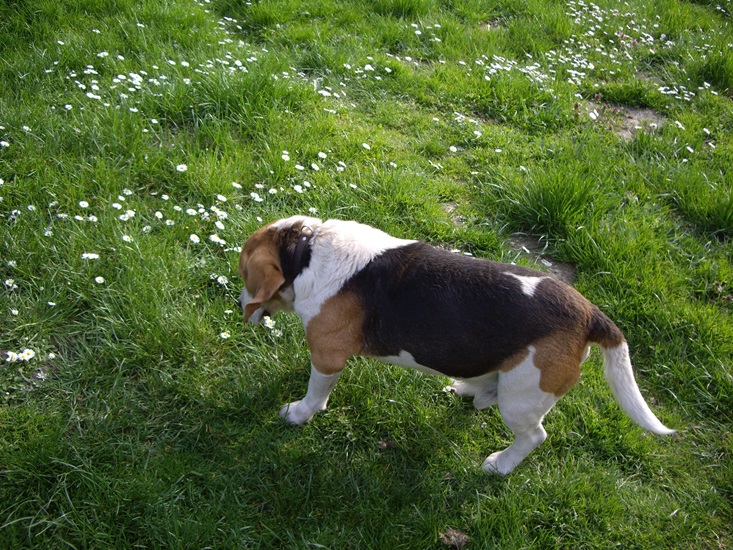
pixel 458 315
pixel 295 251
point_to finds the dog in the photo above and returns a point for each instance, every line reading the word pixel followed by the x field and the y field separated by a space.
pixel 507 335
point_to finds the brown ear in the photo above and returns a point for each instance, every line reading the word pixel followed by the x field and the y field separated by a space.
pixel 266 280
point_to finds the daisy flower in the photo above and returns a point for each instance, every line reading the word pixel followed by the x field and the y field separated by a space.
pixel 26 355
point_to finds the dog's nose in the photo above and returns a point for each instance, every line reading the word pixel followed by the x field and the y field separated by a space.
pixel 241 304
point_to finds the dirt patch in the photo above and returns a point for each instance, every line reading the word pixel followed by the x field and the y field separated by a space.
pixel 450 209
pixel 492 25
pixel 536 250
pixel 625 122
pixel 454 538
pixel 634 120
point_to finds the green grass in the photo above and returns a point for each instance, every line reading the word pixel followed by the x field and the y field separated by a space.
pixel 147 414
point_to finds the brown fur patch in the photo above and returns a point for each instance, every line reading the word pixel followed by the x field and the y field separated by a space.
pixel 335 334
pixel 514 360
pixel 263 238
pixel 559 354
pixel 259 266
pixel 558 358
pixel 604 332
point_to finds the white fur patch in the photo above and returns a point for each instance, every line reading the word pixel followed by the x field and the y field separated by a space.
pixel 315 400
pixel 339 249
pixel 529 284
pixel 482 388
pixel 405 359
pixel 620 377
pixel 523 406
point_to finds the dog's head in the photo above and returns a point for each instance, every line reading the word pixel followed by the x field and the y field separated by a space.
pixel 269 262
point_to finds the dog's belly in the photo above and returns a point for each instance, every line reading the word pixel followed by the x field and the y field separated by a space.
pixel 405 359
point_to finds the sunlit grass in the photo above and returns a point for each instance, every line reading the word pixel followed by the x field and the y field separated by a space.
pixel 141 142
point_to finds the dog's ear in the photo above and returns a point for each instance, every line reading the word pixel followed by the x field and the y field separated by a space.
pixel 264 279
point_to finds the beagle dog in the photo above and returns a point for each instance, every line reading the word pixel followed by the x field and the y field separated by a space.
pixel 507 335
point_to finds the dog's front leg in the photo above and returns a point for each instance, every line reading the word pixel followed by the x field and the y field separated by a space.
pixel 334 335
pixel 315 400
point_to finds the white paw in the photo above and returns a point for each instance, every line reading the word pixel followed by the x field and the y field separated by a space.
pixel 494 465
pixel 460 388
pixel 296 413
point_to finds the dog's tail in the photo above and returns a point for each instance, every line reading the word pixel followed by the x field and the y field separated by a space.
pixel 620 375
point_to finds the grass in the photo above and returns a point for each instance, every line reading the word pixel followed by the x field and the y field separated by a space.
pixel 143 141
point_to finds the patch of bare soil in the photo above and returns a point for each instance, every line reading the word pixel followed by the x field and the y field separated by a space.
pixel 633 120
pixel 535 249
pixel 625 122
pixel 454 538
pixel 492 24
pixel 450 209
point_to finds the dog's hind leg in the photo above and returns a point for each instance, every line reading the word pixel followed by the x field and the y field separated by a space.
pixel 482 389
pixel 488 394
pixel 523 406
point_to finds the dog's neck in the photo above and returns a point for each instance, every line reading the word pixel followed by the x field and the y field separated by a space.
pixel 294 264
pixel 303 246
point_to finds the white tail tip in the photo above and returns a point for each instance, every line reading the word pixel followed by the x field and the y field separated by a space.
pixel 620 377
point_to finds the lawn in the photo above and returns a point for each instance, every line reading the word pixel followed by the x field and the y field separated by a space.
pixel 142 141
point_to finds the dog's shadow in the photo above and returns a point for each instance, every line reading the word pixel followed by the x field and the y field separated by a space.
pixel 379 435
